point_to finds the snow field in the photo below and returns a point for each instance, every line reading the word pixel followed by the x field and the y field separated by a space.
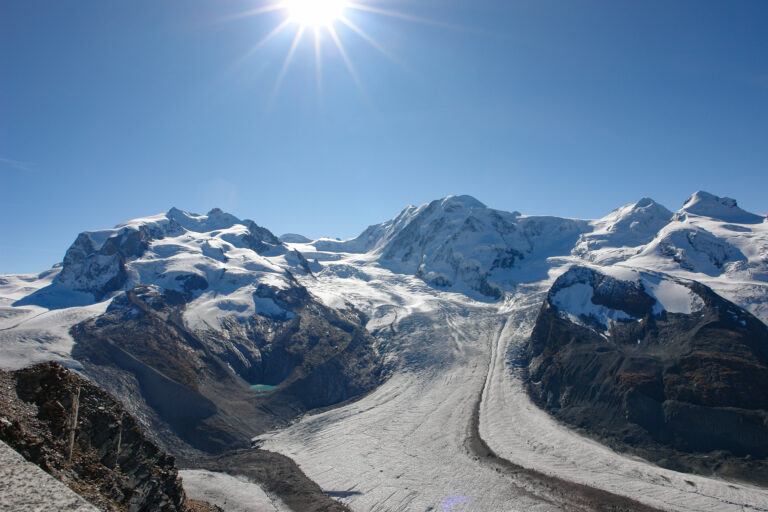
pixel 231 493
pixel 25 487
pixel 44 336
pixel 521 432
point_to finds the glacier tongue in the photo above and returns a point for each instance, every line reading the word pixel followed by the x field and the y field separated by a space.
pixel 404 446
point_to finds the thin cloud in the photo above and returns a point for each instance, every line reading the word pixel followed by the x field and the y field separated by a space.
pixel 16 164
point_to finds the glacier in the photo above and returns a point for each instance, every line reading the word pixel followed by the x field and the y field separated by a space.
pixel 450 290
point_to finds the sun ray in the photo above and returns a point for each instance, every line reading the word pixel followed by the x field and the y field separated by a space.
pixel 322 15
pixel 348 62
pixel 286 63
pixel 318 65
pixel 374 43
pixel 263 41
pixel 251 12
pixel 400 15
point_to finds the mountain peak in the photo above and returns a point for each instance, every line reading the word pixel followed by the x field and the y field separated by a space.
pixel 645 202
pixel 294 238
pixel 450 203
pixel 215 219
pixel 720 208
pixel 645 214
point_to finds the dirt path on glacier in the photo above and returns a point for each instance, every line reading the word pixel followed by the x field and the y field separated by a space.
pixel 561 493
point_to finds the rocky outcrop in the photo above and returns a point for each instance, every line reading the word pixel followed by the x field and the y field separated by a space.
pixel 83 437
pixel 194 385
pixel 688 389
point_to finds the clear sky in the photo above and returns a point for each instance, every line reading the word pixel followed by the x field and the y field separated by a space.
pixel 111 110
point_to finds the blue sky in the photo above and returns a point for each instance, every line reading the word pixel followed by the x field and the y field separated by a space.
pixel 121 109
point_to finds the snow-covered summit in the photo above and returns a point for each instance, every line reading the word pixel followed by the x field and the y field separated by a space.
pixel 639 220
pixel 458 242
pixel 726 209
pixel 617 236
pixel 294 238
pixel 216 260
pixel 709 236
pixel 450 203
pixel 455 243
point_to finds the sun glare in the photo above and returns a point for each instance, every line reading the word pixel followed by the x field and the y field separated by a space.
pixel 315 13
pixel 325 22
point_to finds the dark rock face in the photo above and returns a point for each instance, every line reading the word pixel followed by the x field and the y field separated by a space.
pixel 196 383
pixel 688 391
pixel 261 240
pixel 82 436
pixel 101 270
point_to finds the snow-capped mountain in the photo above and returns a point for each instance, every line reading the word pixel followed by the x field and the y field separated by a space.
pixel 618 235
pixel 459 243
pixel 177 251
pixel 599 300
pixel 704 204
pixel 179 314
pixel 654 364
pixel 182 313
pixel 712 236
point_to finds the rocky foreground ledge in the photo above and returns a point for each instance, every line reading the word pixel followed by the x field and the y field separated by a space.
pixel 84 438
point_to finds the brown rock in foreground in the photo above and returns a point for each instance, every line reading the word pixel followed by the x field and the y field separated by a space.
pixel 79 434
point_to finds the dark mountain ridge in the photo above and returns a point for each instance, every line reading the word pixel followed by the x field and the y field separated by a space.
pixel 688 391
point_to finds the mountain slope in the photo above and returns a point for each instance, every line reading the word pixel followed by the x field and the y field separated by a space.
pixel 620 234
pixel 459 243
pixel 655 363
pixel 183 312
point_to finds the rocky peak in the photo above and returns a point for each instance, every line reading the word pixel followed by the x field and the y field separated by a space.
pixel 262 240
pixel 600 301
pixel 100 269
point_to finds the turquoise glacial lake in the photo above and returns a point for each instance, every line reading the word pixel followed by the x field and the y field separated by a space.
pixel 261 388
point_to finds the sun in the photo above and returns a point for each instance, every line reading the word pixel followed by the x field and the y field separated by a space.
pixel 325 22
pixel 315 13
